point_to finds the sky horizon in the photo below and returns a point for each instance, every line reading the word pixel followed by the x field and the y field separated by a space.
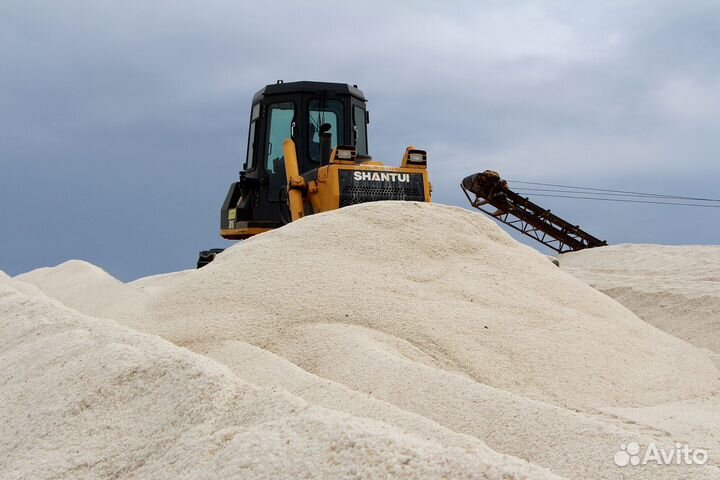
pixel 124 125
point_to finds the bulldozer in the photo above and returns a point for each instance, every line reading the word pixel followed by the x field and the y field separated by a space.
pixel 307 152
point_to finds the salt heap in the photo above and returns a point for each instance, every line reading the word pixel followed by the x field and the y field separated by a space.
pixel 675 288
pixel 84 286
pixel 431 319
pixel 437 285
pixel 87 398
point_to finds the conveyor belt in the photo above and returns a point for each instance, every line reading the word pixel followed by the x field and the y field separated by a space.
pixel 523 215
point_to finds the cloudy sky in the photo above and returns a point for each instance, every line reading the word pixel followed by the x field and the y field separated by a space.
pixel 122 124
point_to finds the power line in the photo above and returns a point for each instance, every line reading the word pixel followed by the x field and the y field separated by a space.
pixel 630 195
pixel 620 200
pixel 592 190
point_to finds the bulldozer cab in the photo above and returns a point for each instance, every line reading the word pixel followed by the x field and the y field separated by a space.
pixel 296 110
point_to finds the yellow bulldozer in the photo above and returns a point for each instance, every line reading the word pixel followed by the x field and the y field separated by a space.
pixel 307 152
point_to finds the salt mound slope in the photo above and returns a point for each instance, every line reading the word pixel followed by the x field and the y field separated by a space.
pixel 569 443
pixel 675 288
pixel 155 283
pixel 436 285
pixel 86 398
pixel 83 286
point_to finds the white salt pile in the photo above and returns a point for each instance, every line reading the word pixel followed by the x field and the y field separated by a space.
pixel 424 282
pixel 83 286
pixel 675 288
pixel 87 398
pixel 432 321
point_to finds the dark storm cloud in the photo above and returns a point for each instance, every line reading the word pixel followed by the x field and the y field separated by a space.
pixel 121 125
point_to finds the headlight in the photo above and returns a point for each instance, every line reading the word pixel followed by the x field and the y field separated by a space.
pixel 343 153
pixel 414 158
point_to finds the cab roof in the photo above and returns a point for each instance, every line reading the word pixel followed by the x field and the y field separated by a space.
pixel 309 87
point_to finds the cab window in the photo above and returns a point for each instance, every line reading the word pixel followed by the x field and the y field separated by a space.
pixel 250 158
pixel 324 111
pixel 360 130
pixel 281 117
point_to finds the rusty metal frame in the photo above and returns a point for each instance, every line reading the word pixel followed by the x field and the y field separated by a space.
pixel 538 223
